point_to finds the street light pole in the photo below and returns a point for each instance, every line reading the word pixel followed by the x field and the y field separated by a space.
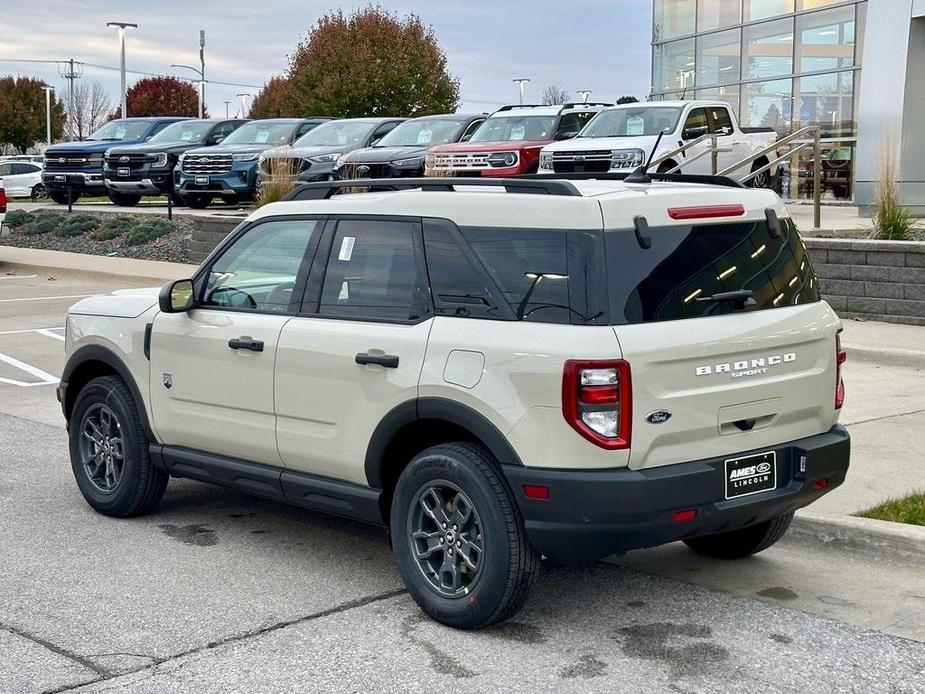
pixel 122 26
pixel 243 96
pixel 202 86
pixel 227 103
pixel 522 82
pixel 48 91
pixel 202 72
pixel 584 94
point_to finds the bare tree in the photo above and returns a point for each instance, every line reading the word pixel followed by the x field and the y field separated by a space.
pixel 554 94
pixel 92 107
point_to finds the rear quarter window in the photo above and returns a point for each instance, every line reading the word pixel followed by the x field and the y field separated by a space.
pixel 687 263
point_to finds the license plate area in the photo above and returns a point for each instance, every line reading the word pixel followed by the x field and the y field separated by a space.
pixel 60 178
pixel 125 171
pixel 752 474
pixel 202 180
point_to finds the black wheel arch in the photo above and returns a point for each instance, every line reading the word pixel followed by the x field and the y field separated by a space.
pixel 93 361
pixel 418 424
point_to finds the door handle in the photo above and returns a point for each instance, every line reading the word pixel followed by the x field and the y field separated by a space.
pixel 389 361
pixel 246 342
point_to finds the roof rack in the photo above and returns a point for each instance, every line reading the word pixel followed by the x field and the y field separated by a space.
pixel 575 104
pixel 511 107
pixel 325 190
pixel 705 179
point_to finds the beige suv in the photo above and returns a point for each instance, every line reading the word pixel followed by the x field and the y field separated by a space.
pixel 494 370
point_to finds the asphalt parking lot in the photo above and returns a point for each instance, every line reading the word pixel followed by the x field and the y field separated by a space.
pixel 221 592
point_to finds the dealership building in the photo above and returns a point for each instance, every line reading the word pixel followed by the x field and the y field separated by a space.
pixel 855 69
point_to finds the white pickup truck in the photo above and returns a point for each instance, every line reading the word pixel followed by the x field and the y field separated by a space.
pixel 620 138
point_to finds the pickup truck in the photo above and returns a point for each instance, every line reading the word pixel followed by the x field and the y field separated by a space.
pixel 508 143
pixel 78 166
pixel 621 138
pixel 134 171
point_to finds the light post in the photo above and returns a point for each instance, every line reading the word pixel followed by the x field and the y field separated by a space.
pixel 202 86
pixel 227 103
pixel 243 96
pixel 122 26
pixel 202 72
pixel 584 94
pixel 522 82
pixel 48 91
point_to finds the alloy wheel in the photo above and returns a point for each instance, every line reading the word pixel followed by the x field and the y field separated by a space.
pixel 445 533
pixel 102 453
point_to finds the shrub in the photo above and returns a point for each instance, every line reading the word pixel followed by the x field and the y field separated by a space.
pixel 892 221
pixel 75 225
pixel 147 232
pixel 278 184
pixel 41 226
pixel 105 233
pixel 18 218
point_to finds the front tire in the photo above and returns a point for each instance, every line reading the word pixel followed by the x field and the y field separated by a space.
pixel 197 202
pixel 738 544
pixel 124 199
pixel 61 197
pixel 39 192
pixel 458 537
pixel 109 451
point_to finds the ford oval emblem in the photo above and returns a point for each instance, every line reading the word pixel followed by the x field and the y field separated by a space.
pixel 658 417
pixel 762 468
pixel 124 160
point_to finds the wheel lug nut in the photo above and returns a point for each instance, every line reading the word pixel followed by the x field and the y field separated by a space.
pixel 444 525
pixel 441 540
pixel 454 526
pixel 458 543
pixel 451 552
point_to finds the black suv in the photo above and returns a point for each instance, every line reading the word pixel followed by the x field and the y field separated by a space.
pixel 401 152
pixel 134 171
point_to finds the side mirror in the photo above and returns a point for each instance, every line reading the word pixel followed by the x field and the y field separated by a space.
pixel 374 141
pixel 568 135
pixel 176 296
pixel 217 139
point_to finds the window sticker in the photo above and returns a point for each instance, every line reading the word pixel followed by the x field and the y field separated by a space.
pixel 346 248
pixel 263 136
pixel 518 132
pixel 424 136
pixel 635 125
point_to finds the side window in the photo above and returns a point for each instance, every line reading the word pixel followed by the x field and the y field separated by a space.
pixel 223 130
pixel 459 284
pixel 722 123
pixel 24 168
pixel 374 271
pixel 258 271
pixel 382 131
pixel 471 129
pixel 304 128
pixel 531 269
pixel 695 125
pixel 6 169
pixel 572 123
pixel 157 128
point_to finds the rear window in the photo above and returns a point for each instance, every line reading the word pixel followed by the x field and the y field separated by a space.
pixel 686 264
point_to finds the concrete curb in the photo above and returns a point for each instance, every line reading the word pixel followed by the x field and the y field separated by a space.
pixel 882 538
pixel 60 261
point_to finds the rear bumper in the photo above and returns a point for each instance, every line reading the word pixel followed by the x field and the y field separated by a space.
pixel 592 514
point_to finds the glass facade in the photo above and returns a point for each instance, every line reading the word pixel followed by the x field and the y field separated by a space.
pixel 784 64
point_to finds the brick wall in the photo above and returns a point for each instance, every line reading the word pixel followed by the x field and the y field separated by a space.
pixel 208 232
pixel 876 280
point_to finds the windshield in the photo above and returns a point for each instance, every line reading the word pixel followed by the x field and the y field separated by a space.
pixel 258 133
pixel 504 128
pixel 184 131
pixel 633 122
pixel 335 134
pixel 122 130
pixel 423 133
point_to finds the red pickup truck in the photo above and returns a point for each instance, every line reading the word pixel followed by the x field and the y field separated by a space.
pixel 509 141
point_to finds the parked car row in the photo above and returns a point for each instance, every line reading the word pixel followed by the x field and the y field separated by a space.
pixel 196 161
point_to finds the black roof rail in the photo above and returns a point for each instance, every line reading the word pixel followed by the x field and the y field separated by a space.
pixel 325 190
pixel 573 104
pixel 511 107
pixel 705 179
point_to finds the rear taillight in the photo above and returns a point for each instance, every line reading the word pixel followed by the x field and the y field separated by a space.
pixel 597 401
pixel 840 357
pixel 2 201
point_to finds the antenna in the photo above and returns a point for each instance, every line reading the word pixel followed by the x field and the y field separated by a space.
pixel 640 175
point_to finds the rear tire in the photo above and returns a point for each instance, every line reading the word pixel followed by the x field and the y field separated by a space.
pixel 124 199
pixel 61 198
pixel 459 539
pixel 666 166
pixel 762 180
pixel 109 451
pixel 738 544
pixel 39 192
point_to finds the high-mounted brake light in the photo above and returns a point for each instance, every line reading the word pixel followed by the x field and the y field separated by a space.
pixel 706 211
pixel 841 356
pixel 597 400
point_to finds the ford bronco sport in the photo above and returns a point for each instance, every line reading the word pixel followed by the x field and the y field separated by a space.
pixel 494 370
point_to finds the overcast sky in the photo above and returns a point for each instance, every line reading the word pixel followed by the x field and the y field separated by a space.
pixel 602 45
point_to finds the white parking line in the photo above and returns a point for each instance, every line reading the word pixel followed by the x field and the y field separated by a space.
pixel 46 378
pixel 28 330
pixel 49 333
pixel 46 298
pixel 18 277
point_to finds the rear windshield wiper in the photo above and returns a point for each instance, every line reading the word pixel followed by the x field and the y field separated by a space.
pixel 742 298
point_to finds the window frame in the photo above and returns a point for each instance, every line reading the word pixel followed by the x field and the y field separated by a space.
pixel 201 277
pixel 310 306
pixel 687 118
pixel 713 124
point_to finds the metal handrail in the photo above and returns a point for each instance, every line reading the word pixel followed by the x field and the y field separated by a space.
pixel 770 148
pixel 683 148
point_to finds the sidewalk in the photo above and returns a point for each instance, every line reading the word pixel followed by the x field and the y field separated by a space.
pixel 837 220
pixel 155 270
